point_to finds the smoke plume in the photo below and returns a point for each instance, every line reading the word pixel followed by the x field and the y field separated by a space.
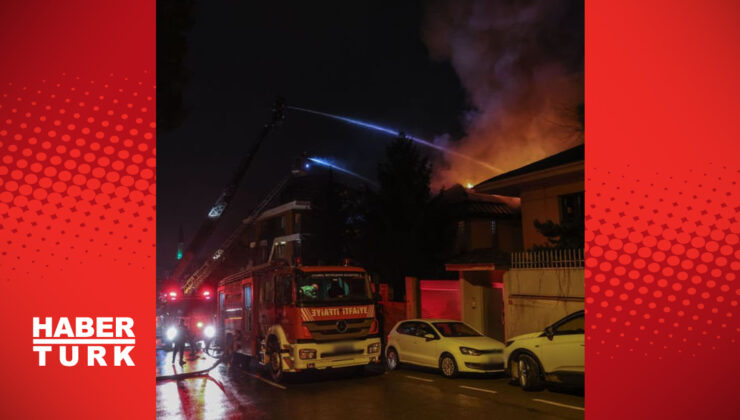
pixel 521 63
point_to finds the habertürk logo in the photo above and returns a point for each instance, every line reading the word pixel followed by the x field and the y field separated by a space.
pixel 106 340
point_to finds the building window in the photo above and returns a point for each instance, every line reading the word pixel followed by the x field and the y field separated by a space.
pixel 572 208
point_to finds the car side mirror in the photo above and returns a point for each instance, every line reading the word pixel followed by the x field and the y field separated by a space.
pixel 549 333
pixel 430 337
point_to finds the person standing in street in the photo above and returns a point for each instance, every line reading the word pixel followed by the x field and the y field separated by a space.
pixel 180 339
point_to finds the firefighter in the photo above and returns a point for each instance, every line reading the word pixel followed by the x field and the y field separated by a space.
pixel 181 338
pixel 335 290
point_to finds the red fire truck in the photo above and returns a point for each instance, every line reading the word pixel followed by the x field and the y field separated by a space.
pixel 295 318
pixel 197 312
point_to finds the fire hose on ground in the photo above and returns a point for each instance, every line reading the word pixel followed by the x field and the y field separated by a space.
pixel 195 373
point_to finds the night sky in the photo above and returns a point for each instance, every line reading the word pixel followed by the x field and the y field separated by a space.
pixel 362 59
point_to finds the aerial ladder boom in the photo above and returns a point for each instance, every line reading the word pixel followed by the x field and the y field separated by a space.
pixel 218 257
pixel 214 214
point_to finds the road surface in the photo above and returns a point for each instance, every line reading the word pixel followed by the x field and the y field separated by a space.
pixel 230 392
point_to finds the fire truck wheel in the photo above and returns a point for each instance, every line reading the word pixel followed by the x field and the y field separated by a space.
pixel 276 365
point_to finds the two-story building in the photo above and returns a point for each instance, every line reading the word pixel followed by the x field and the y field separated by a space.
pixel 550 189
pixel 300 218
pixel 541 286
pixel 503 289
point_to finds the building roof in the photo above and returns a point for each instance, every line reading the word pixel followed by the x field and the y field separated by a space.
pixel 479 204
pixel 571 155
pixel 566 158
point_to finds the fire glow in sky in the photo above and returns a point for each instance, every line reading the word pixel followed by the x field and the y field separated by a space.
pixel 521 65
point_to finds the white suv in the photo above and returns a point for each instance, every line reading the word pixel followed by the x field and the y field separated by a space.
pixel 555 354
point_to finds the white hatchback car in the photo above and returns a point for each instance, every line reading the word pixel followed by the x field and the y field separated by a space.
pixel 555 354
pixel 451 346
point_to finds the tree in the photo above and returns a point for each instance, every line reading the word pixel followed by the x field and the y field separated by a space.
pixel 393 221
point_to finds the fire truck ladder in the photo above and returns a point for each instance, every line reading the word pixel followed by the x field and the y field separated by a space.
pixel 218 257
pixel 208 226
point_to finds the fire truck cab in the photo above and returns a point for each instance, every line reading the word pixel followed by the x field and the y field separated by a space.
pixel 198 314
pixel 295 318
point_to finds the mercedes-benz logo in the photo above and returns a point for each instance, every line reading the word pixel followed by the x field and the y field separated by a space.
pixel 342 326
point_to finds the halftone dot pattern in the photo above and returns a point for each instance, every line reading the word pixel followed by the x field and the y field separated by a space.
pixel 662 261
pixel 77 174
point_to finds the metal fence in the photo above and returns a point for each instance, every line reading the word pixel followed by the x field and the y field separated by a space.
pixel 548 258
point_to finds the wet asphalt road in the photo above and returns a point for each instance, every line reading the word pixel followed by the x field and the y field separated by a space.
pixel 234 392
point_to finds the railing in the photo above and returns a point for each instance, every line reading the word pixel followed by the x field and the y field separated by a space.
pixel 548 258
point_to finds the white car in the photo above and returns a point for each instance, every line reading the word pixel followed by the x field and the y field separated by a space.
pixel 555 354
pixel 451 346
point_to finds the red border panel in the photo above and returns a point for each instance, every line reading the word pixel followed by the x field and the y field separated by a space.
pixel 662 209
pixel 77 197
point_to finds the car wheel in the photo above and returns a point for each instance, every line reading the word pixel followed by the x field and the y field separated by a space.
pixel 448 366
pixel 391 359
pixel 530 377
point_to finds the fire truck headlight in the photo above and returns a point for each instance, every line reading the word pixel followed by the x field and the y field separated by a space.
pixel 199 324
pixel 373 348
pixel 307 354
pixel 209 331
pixel 171 333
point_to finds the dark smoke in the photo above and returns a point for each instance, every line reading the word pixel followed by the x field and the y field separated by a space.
pixel 521 63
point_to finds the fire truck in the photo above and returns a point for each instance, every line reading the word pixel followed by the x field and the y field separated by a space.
pixel 293 318
pixel 197 311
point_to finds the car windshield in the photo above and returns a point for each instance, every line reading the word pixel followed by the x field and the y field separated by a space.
pixel 455 329
pixel 332 288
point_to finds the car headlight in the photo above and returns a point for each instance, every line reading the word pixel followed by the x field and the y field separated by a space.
pixel 373 348
pixel 209 331
pixel 510 342
pixel 171 333
pixel 469 352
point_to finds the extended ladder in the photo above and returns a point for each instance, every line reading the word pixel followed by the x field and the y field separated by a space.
pixel 217 258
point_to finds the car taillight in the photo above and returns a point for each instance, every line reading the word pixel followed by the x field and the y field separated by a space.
pixel 374 327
